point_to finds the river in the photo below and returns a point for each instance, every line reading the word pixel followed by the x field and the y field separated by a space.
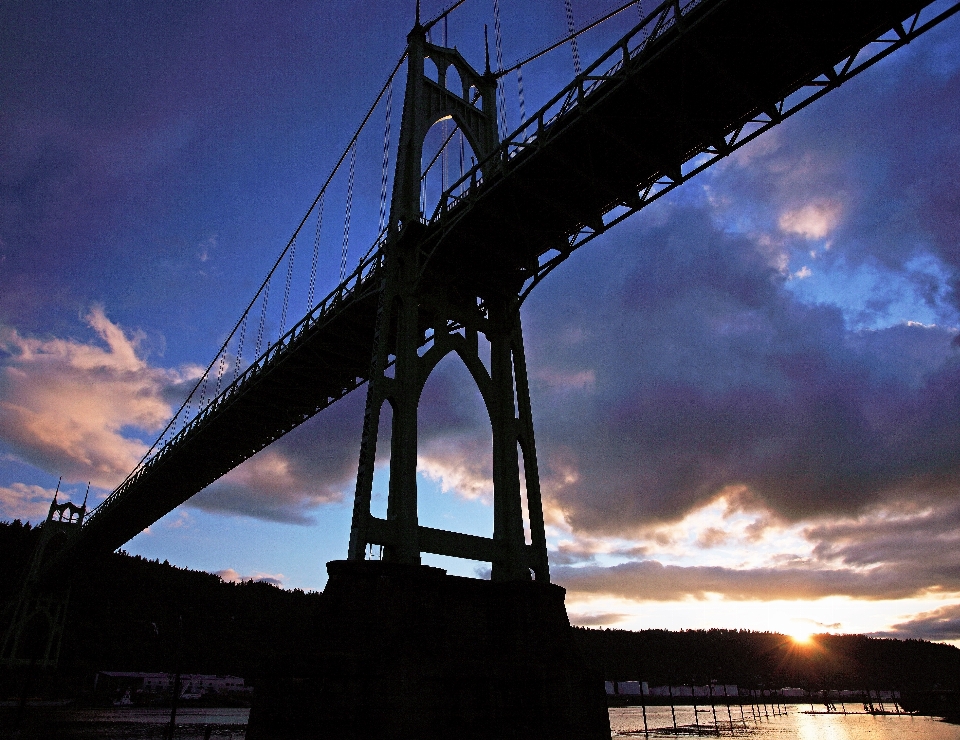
pixel 795 724
pixel 230 724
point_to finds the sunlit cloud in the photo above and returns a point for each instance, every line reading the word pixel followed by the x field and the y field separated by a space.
pixel 71 407
pixel 25 502
pixel 813 220
pixel 596 620
pixel 232 576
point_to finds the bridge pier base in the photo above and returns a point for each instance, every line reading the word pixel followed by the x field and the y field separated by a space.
pixel 406 651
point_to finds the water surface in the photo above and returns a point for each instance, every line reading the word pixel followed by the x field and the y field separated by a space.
pixel 794 725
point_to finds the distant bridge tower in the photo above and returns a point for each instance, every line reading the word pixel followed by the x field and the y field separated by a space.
pixel 35 629
pixel 411 309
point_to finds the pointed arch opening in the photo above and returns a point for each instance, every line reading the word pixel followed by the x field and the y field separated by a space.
pixel 380 490
pixel 453 82
pixel 447 156
pixel 455 453
pixel 430 70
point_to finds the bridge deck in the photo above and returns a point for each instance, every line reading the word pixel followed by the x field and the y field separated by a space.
pixel 726 61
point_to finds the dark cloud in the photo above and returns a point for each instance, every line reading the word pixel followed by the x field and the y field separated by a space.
pixel 313 465
pixel 916 541
pixel 650 580
pixel 936 625
pixel 708 373
pixel 893 177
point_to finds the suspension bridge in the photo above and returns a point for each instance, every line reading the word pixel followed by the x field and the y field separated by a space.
pixel 455 255
pixel 692 82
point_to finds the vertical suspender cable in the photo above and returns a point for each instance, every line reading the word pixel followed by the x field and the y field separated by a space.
pixel 568 7
pixel 203 390
pixel 316 254
pixel 286 285
pixel 523 105
pixel 263 318
pixel 222 366
pixel 386 163
pixel 443 130
pixel 501 96
pixel 243 331
pixel 346 216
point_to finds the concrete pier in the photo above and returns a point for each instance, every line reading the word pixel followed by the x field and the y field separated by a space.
pixel 404 652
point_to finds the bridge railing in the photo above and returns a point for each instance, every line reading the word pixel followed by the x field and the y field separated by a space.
pixel 534 132
pixel 362 277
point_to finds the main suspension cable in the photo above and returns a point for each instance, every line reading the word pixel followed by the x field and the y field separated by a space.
pixel 560 42
pixel 264 286
pixel 443 15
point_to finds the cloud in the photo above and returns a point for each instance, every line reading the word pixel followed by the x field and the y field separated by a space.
pixel 914 541
pixel 903 550
pixel 313 465
pixel 454 437
pixel 813 220
pixel 709 373
pixel 596 620
pixel 71 407
pixel 231 576
pixel 650 580
pixel 936 625
pixel 26 502
pixel 76 409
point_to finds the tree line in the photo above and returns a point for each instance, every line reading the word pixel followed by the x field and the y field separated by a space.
pixel 133 614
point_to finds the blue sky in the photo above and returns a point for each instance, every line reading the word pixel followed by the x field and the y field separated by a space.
pixel 746 396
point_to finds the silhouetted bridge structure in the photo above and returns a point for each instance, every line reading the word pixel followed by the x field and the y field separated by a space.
pixel 691 84
pixel 694 81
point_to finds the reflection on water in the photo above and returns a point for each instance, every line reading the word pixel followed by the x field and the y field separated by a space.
pixel 185 716
pixel 230 724
pixel 795 725
pixel 131 724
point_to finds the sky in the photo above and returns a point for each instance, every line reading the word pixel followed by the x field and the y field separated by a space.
pixel 746 397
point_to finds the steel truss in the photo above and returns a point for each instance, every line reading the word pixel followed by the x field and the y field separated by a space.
pixel 629 57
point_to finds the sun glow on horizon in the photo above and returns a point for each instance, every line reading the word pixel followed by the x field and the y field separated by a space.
pixel 801 636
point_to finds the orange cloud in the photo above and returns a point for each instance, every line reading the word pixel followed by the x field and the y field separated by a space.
pixel 68 407
pixel 25 502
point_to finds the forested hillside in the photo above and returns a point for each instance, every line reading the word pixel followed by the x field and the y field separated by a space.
pixel 127 613
pixel 755 659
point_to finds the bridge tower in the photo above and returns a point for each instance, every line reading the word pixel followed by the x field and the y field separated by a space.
pixel 412 309
pixel 402 650
pixel 35 629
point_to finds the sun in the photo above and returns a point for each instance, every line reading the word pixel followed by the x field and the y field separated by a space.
pixel 800 630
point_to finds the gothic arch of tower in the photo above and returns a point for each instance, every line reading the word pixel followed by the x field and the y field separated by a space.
pixel 408 312
pixel 425 103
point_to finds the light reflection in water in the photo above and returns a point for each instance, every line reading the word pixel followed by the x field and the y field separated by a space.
pixel 795 725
